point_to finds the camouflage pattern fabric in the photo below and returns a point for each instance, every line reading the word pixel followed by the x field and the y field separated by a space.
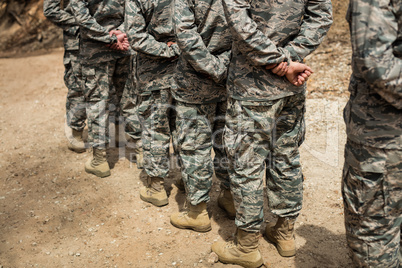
pixel 196 126
pixel 149 27
pixel 153 112
pixel 129 105
pixel 372 185
pixel 75 104
pixel 205 42
pixel 269 32
pixel 63 17
pixel 96 19
pixel 376 83
pixel 372 191
pixel 255 132
pixel 103 88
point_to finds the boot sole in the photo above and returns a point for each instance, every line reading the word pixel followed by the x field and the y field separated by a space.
pixel 256 264
pixel 98 173
pixel 77 150
pixel 283 253
pixel 158 203
pixel 201 229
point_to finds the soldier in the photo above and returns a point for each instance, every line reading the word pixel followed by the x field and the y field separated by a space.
pixel 75 106
pixel 372 175
pixel 265 117
pixel 149 27
pixel 105 67
pixel 200 96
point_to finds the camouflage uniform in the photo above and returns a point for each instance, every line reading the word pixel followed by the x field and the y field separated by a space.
pixel 205 41
pixel 129 105
pixel 149 26
pixel 265 117
pixel 372 176
pixel 75 104
pixel 104 70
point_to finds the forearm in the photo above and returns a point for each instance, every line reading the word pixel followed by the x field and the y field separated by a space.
pixel 260 50
pixel 191 44
pixel 138 36
pixel 52 11
pixel 93 30
pixel 316 22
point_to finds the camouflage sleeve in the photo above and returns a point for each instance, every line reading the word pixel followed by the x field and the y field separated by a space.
pixel 253 43
pixel 374 30
pixel 52 11
pixel 84 19
pixel 192 46
pixel 138 36
pixel 316 22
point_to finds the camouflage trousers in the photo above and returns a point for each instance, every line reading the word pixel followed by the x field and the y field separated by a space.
pixel 199 128
pixel 372 197
pixel 75 104
pixel 129 106
pixel 154 112
pixel 104 84
pixel 265 137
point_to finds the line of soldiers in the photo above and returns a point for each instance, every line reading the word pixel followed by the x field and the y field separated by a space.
pixel 228 76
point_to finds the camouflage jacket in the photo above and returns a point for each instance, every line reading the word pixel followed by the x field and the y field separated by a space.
pixel 205 42
pixel 373 114
pixel 63 17
pixel 96 19
pixel 149 27
pixel 269 32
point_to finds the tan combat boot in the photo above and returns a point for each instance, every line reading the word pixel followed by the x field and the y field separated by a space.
pixel 98 165
pixel 154 193
pixel 282 236
pixel 243 251
pixel 76 143
pixel 195 218
pixel 225 202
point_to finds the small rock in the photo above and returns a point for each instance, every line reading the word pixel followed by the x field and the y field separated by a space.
pixel 71 253
pixel 213 257
pixel 77 254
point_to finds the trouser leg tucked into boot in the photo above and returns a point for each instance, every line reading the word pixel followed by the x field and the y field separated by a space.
pixel 243 251
pixel 98 164
pixel 76 143
pixel 136 146
pixel 155 192
pixel 225 202
pixel 281 235
pixel 195 218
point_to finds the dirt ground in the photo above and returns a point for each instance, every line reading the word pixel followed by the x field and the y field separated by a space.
pixel 53 214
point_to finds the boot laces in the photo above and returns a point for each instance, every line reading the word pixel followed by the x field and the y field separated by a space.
pixel 230 244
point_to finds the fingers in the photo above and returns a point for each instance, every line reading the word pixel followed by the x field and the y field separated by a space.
pixel 170 43
pixel 281 69
pixel 114 32
pixel 270 66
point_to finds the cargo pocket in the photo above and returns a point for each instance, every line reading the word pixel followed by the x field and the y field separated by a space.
pixel 364 187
